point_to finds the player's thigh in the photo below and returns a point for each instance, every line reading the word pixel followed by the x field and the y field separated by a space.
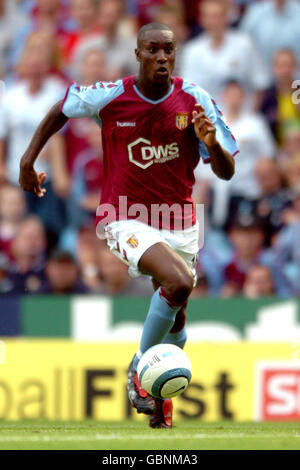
pixel 129 240
pixel 164 265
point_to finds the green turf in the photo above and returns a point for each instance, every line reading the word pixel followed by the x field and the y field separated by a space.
pixel 186 435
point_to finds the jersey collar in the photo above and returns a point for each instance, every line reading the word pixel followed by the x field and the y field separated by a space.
pixel 152 101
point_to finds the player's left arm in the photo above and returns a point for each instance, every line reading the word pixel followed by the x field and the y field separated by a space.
pixel 222 162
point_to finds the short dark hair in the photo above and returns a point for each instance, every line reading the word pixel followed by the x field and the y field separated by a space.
pixel 61 256
pixel 150 27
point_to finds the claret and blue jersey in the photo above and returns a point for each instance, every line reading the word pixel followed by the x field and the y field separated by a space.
pixel 150 149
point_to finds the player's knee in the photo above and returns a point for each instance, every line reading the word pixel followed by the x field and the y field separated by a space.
pixel 180 287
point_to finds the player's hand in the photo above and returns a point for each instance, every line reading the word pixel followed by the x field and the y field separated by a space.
pixel 31 181
pixel 204 128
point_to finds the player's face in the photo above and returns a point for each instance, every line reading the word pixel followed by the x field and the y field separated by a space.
pixel 156 54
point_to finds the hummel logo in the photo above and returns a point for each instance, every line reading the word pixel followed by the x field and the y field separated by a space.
pixel 126 124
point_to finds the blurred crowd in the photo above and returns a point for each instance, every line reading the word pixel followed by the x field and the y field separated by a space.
pixel 245 53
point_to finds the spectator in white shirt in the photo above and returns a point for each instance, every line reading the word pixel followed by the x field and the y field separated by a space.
pixel 221 53
pixel 274 25
pixel 254 140
pixel 24 105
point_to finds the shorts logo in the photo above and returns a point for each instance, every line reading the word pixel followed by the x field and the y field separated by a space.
pixel 133 241
pixel 182 120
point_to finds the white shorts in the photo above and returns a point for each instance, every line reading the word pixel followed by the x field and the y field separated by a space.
pixel 129 239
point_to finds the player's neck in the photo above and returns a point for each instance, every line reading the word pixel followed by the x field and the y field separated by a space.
pixel 152 91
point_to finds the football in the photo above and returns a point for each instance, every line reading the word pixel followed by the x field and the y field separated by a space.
pixel 164 371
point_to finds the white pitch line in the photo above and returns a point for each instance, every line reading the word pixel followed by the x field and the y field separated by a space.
pixel 242 436
pixel 108 437
pixel 97 437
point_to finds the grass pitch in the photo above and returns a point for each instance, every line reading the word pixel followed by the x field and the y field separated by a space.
pixel 186 435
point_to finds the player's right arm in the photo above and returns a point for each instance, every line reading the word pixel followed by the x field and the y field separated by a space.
pixel 29 179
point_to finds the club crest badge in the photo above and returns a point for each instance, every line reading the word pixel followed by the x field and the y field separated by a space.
pixel 182 120
pixel 133 241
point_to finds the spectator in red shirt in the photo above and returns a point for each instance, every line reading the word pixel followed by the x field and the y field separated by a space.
pixel 85 14
pixel 117 39
pixel 46 16
pixel 247 237
pixel 259 283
